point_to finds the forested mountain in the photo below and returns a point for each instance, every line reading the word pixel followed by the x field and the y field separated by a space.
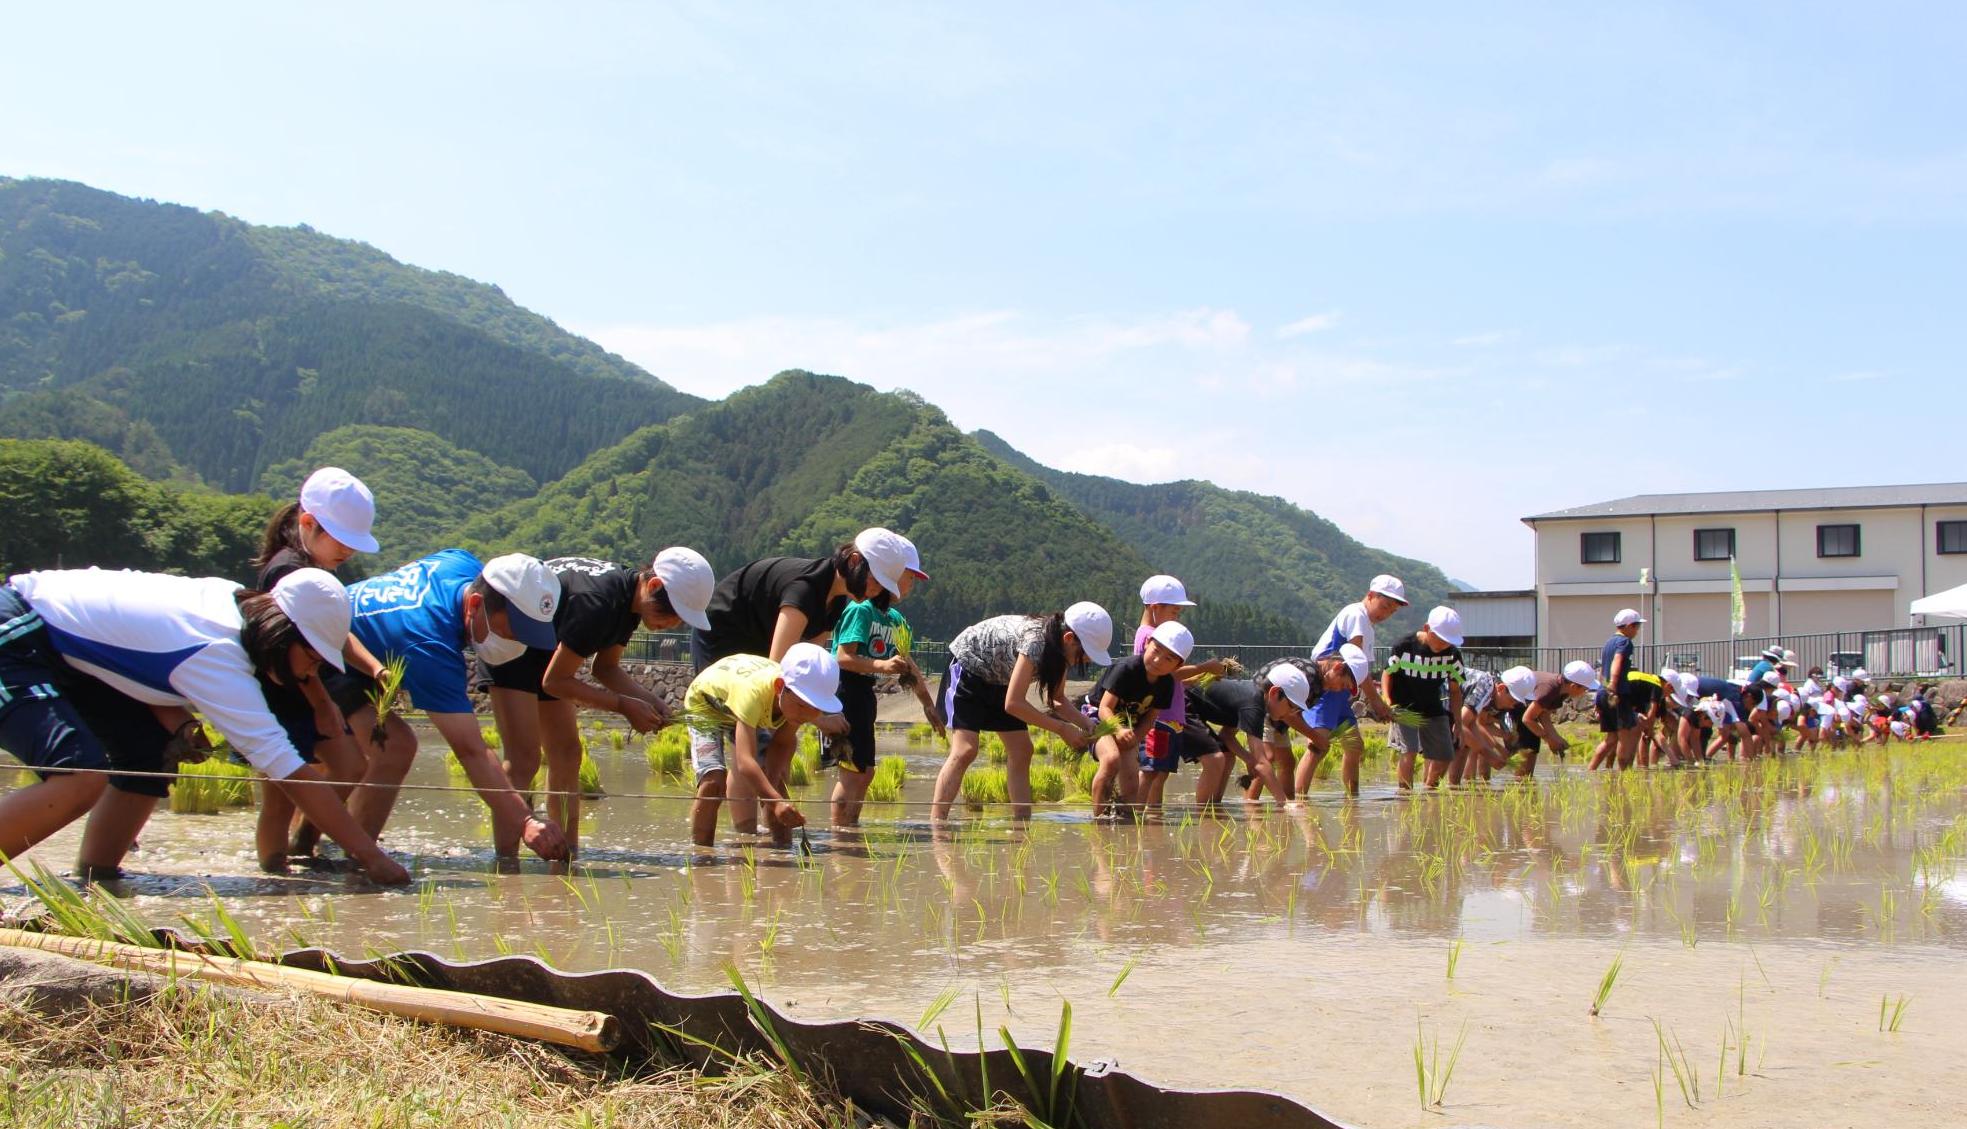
pixel 191 340
pixel 148 350
pixel 1238 546
pixel 801 463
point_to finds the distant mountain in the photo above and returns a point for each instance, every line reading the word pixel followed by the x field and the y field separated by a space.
pixel 1236 546
pixel 801 463
pixel 189 341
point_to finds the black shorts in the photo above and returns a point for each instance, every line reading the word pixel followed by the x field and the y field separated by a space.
pixel 524 674
pixel 857 705
pixel 296 715
pixel 1196 740
pixel 1615 719
pixel 1526 738
pixel 974 705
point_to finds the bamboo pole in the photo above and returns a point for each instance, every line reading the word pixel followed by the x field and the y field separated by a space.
pixel 587 1030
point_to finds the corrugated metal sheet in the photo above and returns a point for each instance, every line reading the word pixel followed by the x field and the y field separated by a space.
pixel 1489 614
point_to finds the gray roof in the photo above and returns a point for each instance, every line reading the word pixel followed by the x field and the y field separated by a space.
pixel 1738 501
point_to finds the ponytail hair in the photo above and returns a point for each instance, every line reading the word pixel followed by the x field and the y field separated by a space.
pixel 1051 663
pixel 283 531
pixel 266 633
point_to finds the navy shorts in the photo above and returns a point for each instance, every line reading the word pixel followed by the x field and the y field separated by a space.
pixel 1615 719
pixel 974 705
pixel 857 706
pixel 53 716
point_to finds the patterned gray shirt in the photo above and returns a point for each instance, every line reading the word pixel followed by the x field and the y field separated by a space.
pixel 990 649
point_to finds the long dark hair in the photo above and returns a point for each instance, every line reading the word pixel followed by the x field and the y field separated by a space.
pixel 283 531
pixel 266 633
pixel 1051 662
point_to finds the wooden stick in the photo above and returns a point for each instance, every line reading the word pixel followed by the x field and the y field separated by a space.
pixel 587 1030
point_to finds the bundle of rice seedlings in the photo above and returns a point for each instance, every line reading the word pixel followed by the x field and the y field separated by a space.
pixel 211 786
pixel 1047 783
pixel 668 751
pixel 383 697
pixel 491 735
pixel 1083 778
pixel 1412 719
pixel 1052 747
pixel 618 738
pixel 992 747
pixel 590 776
pixel 805 765
pixel 889 775
pixel 985 786
pixel 921 733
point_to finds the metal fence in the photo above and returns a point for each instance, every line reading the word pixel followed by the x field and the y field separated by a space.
pixel 1924 652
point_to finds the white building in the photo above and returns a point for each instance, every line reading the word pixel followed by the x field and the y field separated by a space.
pixel 1839 559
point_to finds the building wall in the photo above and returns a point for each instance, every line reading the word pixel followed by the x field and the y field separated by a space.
pixel 1788 588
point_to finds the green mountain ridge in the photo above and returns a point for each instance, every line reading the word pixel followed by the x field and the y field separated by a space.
pixel 1239 546
pixel 234 346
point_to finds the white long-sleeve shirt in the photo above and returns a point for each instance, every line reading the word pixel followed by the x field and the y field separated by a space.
pixel 165 641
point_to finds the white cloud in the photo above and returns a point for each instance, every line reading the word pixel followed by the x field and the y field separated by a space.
pixel 1316 323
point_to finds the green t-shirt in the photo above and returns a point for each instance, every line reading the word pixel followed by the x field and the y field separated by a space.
pixel 881 635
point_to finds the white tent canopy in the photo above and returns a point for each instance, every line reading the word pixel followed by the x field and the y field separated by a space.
pixel 1951 603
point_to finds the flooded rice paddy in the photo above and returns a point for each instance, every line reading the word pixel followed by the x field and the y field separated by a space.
pixel 1760 916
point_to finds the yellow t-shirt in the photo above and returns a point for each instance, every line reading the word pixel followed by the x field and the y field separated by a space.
pixel 736 689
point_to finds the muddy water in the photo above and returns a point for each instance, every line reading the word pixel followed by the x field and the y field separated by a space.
pixel 1299 952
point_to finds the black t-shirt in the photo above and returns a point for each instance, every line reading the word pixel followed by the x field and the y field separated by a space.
pixel 1230 701
pixel 597 605
pixel 745 607
pixel 279 565
pixel 1127 679
pixel 1419 677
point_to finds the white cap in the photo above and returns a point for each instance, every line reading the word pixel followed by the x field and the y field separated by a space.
pixel 1789 658
pixel 1357 662
pixel 1446 623
pixel 1784 710
pixel 1580 672
pixel 1627 617
pixel 687 577
pixel 1094 627
pixel 1771 678
pixel 914 561
pixel 533 592
pixel 1176 638
pixel 1687 688
pixel 1859 700
pixel 812 674
pixel 1521 682
pixel 1861 675
pixel 1885 699
pixel 1667 671
pixel 343 506
pixel 318 605
pixel 1390 587
pixel 887 554
pixel 1165 590
pixel 1290 679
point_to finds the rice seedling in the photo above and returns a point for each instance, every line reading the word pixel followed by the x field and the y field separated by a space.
pixel 1606 983
pixel 90 913
pixel 1047 783
pixel 802 770
pixel 1454 956
pixel 668 751
pixel 1892 1012
pixel 889 775
pixel 491 736
pixel 1045 1109
pixel 1683 1071
pixel 991 747
pixel 382 697
pixel 1126 970
pixel 937 1006
pixel 921 733
pixel 983 786
pixel 210 786
pixel 590 777
pixel 618 739
pixel 1431 1075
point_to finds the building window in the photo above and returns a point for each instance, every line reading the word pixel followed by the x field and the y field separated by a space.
pixel 1598 548
pixel 1951 536
pixel 1714 544
pixel 1837 541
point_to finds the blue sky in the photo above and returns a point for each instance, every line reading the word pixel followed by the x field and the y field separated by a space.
pixel 1424 271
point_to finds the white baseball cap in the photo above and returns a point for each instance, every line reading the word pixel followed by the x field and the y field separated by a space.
pixel 1580 672
pixel 914 561
pixel 887 554
pixel 343 506
pixel 1521 682
pixel 1165 589
pixel 318 605
pixel 1784 710
pixel 1861 675
pixel 1176 638
pixel 1357 662
pixel 810 672
pixel 688 579
pixel 1771 678
pixel 1687 688
pixel 1447 623
pixel 533 592
pixel 1390 587
pixel 1627 617
pixel 1292 681
pixel 1094 628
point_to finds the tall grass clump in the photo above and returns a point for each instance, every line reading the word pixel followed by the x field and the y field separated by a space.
pixel 921 733
pixel 668 751
pixel 985 786
pixel 889 775
pixel 211 786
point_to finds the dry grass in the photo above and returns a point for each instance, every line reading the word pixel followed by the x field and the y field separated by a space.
pixel 195 1057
